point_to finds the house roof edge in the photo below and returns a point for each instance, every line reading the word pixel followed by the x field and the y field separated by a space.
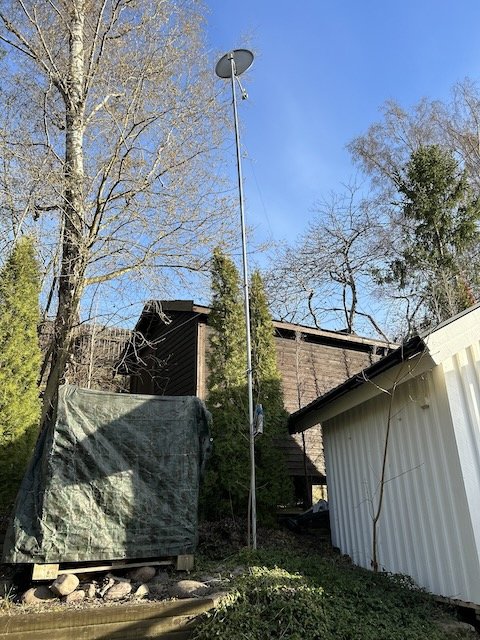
pixel 438 344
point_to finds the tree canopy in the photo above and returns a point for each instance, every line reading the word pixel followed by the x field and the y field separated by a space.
pixel 108 135
pixel 439 226
pixel 400 250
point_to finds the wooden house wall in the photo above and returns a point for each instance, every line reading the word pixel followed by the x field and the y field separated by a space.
pixel 169 366
pixel 144 380
pixel 308 369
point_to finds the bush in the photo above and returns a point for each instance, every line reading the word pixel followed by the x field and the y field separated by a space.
pixel 19 367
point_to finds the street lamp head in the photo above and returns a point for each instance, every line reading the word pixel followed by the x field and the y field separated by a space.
pixel 242 58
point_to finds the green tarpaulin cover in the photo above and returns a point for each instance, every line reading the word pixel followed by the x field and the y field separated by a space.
pixel 115 477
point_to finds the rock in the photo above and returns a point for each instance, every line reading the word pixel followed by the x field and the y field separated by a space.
pixel 35 595
pixel 162 576
pixel 188 589
pixel 159 583
pixel 107 583
pixel 75 596
pixel 158 588
pixel 455 626
pixel 238 571
pixel 142 574
pixel 90 589
pixel 117 578
pixel 64 584
pixel 118 591
pixel 142 591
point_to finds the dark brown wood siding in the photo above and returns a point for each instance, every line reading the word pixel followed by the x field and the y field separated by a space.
pixel 308 369
pixel 144 379
pixel 170 367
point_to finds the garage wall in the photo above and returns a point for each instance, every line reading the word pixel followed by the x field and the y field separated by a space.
pixel 426 527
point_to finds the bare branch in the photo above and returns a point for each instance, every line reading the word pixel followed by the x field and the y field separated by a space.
pixel 29 50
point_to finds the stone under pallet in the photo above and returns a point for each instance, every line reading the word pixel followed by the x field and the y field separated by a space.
pixel 172 620
pixel 46 571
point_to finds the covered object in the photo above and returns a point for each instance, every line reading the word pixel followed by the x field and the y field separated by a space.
pixel 418 411
pixel 114 477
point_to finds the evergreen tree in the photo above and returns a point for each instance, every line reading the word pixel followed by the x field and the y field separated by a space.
pixel 226 360
pixel 439 226
pixel 19 367
pixel 273 484
pixel 227 482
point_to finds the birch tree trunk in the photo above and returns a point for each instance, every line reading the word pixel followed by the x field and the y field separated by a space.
pixel 109 137
pixel 74 263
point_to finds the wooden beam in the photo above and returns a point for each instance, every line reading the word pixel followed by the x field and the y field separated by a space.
pixel 45 571
pixel 185 562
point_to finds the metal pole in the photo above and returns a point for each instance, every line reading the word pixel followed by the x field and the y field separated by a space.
pixel 247 313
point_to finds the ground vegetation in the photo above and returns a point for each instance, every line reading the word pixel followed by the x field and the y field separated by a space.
pixel 297 588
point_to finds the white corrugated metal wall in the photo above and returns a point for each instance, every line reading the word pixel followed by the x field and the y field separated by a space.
pixel 462 379
pixel 426 528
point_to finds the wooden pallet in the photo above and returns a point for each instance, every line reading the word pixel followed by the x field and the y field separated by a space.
pixel 46 571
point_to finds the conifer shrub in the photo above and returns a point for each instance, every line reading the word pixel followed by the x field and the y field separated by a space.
pixel 19 367
pixel 274 486
pixel 225 491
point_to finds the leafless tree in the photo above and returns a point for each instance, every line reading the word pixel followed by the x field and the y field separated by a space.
pixel 386 147
pixel 108 134
pixel 326 274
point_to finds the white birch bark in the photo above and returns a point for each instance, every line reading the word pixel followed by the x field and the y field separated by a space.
pixel 108 136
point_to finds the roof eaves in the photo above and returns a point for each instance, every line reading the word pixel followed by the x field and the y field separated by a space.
pixel 410 348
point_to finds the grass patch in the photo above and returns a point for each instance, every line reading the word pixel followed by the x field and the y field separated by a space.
pixel 289 595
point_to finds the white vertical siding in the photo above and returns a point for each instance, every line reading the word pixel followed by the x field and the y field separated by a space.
pixel 425 529
pixel 462 380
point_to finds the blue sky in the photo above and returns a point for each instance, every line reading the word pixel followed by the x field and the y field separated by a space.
pixel 323 69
